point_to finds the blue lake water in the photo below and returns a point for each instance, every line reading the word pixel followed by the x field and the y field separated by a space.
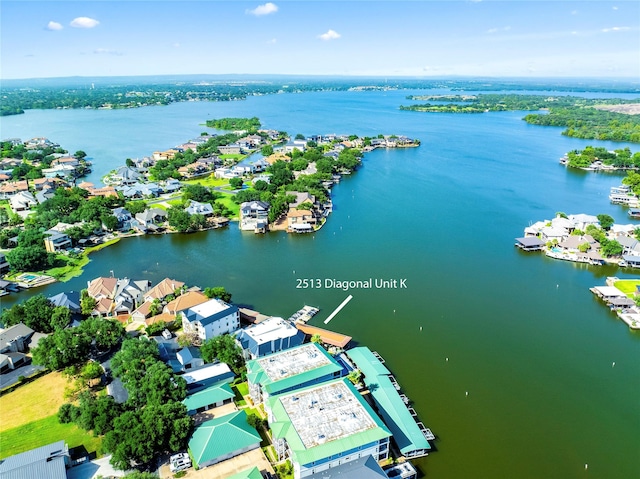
pixel 522 333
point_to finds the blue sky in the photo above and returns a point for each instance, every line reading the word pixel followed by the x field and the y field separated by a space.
pixel 383 38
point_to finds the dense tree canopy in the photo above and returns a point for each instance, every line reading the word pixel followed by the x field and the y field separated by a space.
pixel 38 313
pixel 224 349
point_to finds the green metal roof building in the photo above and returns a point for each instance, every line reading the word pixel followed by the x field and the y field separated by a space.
pixel 409 435
pixel 323 426
pixel 213 396
pixel 222 438
pixel 289 370
pixel 253 473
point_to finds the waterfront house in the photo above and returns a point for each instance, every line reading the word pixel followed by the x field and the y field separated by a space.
pixel 301 220
pixel 56 242
pixel 150 219
pixel 267 337
pixel 581 221
pixel 289 370
pixel 69 300
pixel 163 289
pixel 197 208
pixel 59 171
pixel 260 165
pixel 252 213
pixel 4 264
pixel 630 245
pixel 632 261
pixel 549 233
pixel 211 319
pixel 125 176
pixel 184 301
pixel 124 218
pixel 561 223
pixel 573 243
pixel 223 438
pixel 324 426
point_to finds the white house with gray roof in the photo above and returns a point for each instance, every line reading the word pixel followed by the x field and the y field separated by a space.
pixel 211 319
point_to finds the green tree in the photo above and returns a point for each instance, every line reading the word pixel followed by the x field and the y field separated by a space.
pixel 218 292
pixel 266 150
pixel 36 313
pixel 236 183
pixel 606 221
pixel 87 303
pixel 139 436
pixel 135 207
pixel 611 248
pixel 225 349
pixel 179 219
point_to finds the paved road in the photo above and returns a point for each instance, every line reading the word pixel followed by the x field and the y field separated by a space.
pixel 11 377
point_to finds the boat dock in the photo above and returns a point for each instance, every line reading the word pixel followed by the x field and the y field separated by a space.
pixel 303 315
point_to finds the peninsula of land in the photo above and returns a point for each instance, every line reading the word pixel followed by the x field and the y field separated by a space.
pixel 262 178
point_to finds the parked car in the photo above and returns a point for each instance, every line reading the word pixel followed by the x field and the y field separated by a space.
pixel 179 462
pixel 166 334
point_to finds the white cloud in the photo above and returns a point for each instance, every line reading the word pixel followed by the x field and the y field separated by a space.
pixel 574 12
pixel 54 26
pixel 176 45
pixel 495 30
pixel 272 41
pixel 265 9
pixel 84 22
pixel 106 51
pixel 615 8
pixel 330 35
pixel 615 29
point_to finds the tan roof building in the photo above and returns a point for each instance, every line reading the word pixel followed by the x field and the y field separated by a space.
pixel 164 288
pixel 102 288
pixel 184 302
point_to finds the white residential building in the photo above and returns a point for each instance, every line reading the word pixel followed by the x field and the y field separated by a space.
pixel 211 319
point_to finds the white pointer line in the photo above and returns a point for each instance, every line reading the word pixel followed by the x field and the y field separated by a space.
pixel 337 310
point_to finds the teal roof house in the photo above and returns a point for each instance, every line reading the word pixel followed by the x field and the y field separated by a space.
pixel 222 438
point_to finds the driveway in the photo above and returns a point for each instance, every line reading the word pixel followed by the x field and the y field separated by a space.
pixel 11 377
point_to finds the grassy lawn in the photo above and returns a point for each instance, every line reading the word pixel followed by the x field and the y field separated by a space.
pixel 243 388
pixel 227 200
pixel 238 157
pixel 45 431
pixel 75 266
pixel 627 286
pixel 33 401
pixel 177 202
pixel 209 181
